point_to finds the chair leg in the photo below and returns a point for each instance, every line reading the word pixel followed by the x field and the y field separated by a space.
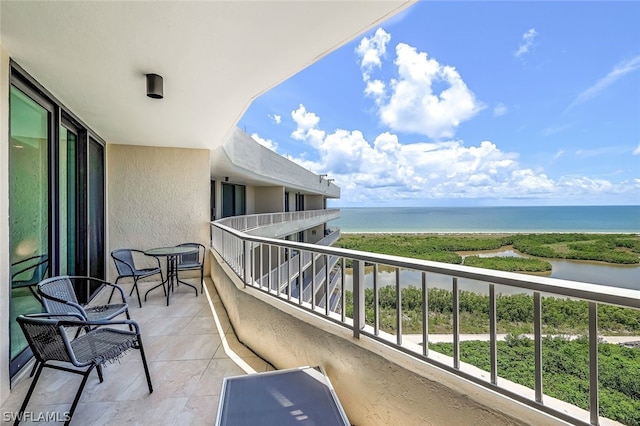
pixel 31 388
pixel 112 290
pixel 144 364
pixel 135 286
pixel 99 370
pixel 202 280
pixel 85 376
pixel 128 317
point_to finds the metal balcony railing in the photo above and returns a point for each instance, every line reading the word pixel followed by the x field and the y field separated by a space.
pixel 251 222
pixel 322 285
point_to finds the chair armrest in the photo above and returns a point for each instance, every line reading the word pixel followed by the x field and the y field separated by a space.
pixel 103 282
pixel 99 323
pixel 53 316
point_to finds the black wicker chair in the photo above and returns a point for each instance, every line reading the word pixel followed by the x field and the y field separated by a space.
pixel 49 342
pixel 29 272
pixel 192 261
pixel 59 298
pixel 126 267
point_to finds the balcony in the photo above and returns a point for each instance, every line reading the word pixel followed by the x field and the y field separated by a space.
pixel 385 377
pixel 276 225
pixel 380 377
pixel 190 348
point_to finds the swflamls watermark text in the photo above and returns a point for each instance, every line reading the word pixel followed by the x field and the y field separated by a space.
pixel 30 416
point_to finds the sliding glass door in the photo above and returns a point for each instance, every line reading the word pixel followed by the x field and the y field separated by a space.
pixel 56 201
pixel 28 204
pixel 68 192
pixel 233 200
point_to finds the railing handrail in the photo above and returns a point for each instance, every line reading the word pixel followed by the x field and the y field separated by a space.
pixel 254 221
pixel 574 289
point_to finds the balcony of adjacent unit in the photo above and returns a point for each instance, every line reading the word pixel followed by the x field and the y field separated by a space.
pixel 279 225
pixel 297 304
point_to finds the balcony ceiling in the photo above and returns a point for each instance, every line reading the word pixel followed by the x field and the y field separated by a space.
pixel 215 57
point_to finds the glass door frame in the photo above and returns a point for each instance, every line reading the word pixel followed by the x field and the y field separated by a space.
pixel 58 116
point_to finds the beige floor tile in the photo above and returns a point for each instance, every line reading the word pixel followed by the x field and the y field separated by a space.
pixel 211 381
pixel 186 359
pixel 200 325
pixel 186 347
pixel 198 411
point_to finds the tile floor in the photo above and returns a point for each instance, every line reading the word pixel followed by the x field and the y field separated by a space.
pixel 189 350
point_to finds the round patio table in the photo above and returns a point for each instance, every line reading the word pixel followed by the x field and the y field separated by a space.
pixel 172 254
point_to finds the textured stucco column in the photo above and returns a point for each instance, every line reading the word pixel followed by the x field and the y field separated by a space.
pixel 156 197
pixel 5 279
pixel 376 384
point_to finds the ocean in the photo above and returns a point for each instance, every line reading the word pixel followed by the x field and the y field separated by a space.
pixel 594 219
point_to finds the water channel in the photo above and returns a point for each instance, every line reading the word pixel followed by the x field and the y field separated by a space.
pixel 626 276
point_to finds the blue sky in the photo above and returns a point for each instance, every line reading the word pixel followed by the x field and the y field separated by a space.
pixel 471 104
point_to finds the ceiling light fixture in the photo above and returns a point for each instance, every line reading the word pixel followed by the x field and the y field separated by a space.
pixel 155 86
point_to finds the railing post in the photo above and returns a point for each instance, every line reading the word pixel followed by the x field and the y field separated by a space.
pixel 376 301
pixel 288 252
pixel 245 262
pixel 358 297
pixel 537 336
pixel 300 278
pixel 398 309
pixel 594 403
pixel 343 305
pixel 313 281
pixel 327 277
pixel 493 341
pixel 425 316
pixel 456 324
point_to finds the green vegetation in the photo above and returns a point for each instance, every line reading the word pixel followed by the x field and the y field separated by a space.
pixel 612 248
pixel 514 313
pixel 566 366
pixel 566 371
pixel 566 362
pixel 511 264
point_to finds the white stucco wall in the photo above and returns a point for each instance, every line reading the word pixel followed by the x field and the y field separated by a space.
pixel 377 385
pixel 156 197
pixel 250 199
pixel 5 279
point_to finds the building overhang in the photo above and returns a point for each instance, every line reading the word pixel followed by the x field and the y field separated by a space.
pixel 243 160
pixel 215 58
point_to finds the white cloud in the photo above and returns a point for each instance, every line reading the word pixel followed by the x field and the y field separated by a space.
pixel 387 170
pixel 412 101
pixel 620 70
pixel 637 150
pixel 371 50
pixel 500 109
pixel 273 146
pixel 558 154
pixel 304 120
pixel 528 38
pixel 275 117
